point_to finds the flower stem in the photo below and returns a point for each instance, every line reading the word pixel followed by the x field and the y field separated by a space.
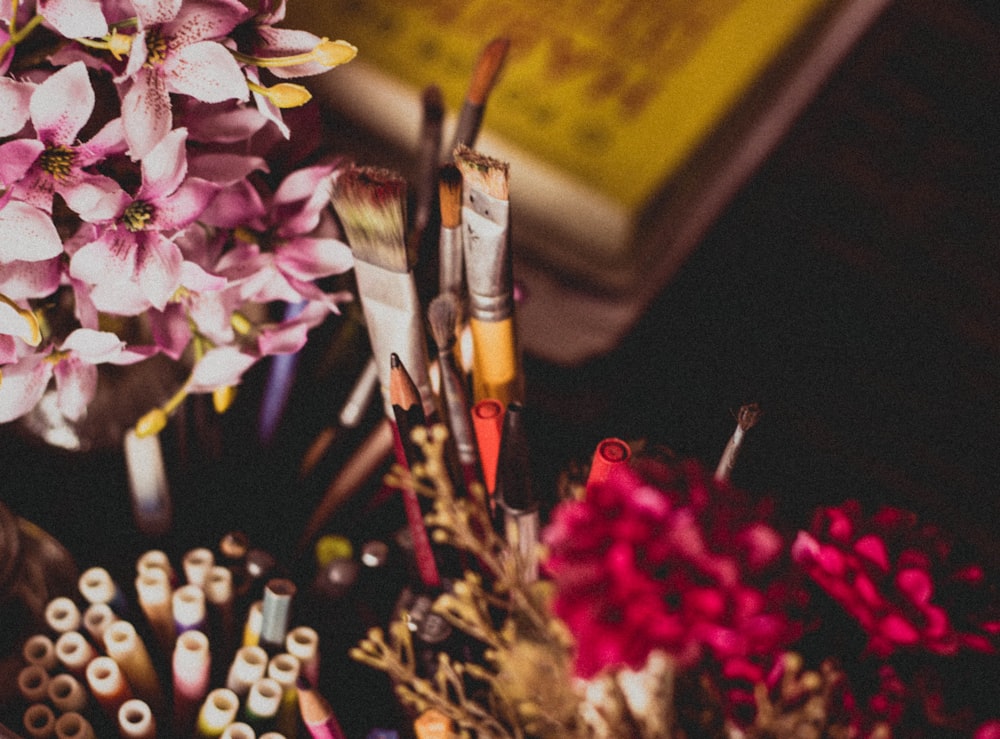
pixel 17 35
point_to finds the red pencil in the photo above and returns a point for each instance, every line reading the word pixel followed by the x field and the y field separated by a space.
pixel 317 715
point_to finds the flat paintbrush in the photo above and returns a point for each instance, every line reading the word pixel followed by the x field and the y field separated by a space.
pixel 484 77
pixel 371 205
pixel 496 371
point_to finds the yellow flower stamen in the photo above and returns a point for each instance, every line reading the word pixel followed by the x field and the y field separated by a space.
pixel 326 52
pixel 155 420
pixel 284 94
pixel 119 44
pixel 240 323
pixel 223 397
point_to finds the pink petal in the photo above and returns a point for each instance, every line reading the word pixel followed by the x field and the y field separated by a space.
pixel 198 20
pixel 283 340
pixel 76 382
pixel 146 112
pixel 164 167
pixel 916 585
pixel 95 198
pixel 93 346
pixel 171 330
pixel 206 71
pixel 27 233
pixel 23 385
pixel 184 205
pixel 16 158
pixel 220 367
pixel 873 549
pixel 24 280
pixel 226 168
pixel 152 12
pixel 235 205
pixel 62 105
pixel 158 269
pixel 311 258
pixel 15 97
pixel 286 42
pixel 898 630
pixel 75 18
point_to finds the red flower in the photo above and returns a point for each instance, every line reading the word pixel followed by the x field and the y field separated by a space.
pixel 883 571
pixel 673 565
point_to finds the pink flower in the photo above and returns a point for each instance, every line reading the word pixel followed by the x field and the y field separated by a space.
pixel 73 364
pixel 55 162
pixel 178 50
pixel 639 567
pixel 882 570
pixel 136 248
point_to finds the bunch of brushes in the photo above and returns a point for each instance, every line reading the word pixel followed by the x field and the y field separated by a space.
pixel 465 371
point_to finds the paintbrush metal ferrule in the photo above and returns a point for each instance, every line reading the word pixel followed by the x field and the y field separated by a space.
pixel 487 256
pixel 451 261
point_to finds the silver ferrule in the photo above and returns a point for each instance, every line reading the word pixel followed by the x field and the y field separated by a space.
pixel 394 320
pixel 485 226
pixel 451 261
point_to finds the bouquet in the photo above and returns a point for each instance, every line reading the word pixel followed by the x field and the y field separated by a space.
pixel 151 200
pixel 673 606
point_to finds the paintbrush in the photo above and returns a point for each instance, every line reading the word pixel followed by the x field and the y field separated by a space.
pixel 496 369
pixel 451 263
pixel 428 156
pixel 484 77
pixel 442 315
pixel 371 205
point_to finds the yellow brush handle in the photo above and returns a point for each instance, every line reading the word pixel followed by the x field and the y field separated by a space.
pixel 495 371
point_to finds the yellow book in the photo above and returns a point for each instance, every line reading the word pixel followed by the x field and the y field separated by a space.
pixel 627 124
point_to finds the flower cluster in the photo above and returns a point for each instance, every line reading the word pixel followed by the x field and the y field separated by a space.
pixel 882 570
pixel 137 180
pixel 678 565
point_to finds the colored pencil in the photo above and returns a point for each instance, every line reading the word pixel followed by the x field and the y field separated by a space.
pixel 39 649
pixel 318 715
pixel 33 683
pixel 73 725
pixel 302 643
pixel 62 614
pixel 409 415
pixel 123 644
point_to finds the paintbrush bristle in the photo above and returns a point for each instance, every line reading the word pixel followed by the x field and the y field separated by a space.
pixel 487 70
pixel 442 314
pixel 450 195
pixel 371 205
pixel 483 173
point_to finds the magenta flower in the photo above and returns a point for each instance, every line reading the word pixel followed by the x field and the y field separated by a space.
pixel 55 162
pixel 73 364
pixel 178 49
pixel 882 570
pixel 639 567
pixel 136 249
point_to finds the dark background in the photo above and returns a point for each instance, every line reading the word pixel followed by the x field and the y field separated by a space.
pixel 852 288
